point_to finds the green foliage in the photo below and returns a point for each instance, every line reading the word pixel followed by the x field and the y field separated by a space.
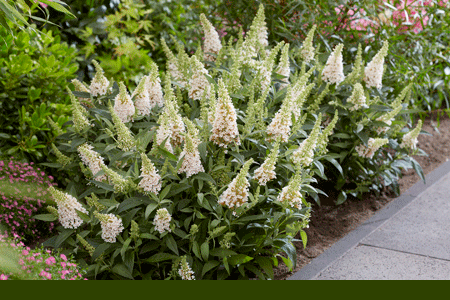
pixel 19 11
pixel 125 37
pixel 417 53
pixel 35 69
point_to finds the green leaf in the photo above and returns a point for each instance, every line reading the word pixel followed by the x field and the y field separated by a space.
pixel 205 177
pixel 341 198
pixel 221 252
pixel 129 203
pixel 122 270
pixel 336 164
pixel 209 265
pixel 159 257
pixel 170 242
pixel 304 238
pixel 418 169
pixel 125 248
pixel 239 259
pixel 83 216
pixel 165 191
pixel 102 185
pixel 58 6
pixel 151 207
pixel 196 249
pixel 205 250
pixel 100 249
pixel 266 264
pixel 63 236
pixel 45 217
pixel 149 236
pixel 178 188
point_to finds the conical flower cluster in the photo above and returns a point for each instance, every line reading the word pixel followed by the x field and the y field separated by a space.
pixel 409 140
pixel 111 226
pixel 333 72
pixel 373 72
pixel 125 140
pixel 92 160
pixel 280 126
pixel 61 158
pixel 67 207
pixel 266 171
pixel 304 155
pixel 237 192
pixel 154 88
pixel 255 39
pixel 79 114
pixel 265 68
pixel 142 98
pixel 123 105
pixel 259 25
pixel 290 195
pixel 307 49
pixel 164 132
pixel 372 146
pixel 358 99
pixel 212 41
pixel 176 124
pixel 198 83
pixel 388 117
pixel 162 220
pixel 185 270
pixel 99 84
pixel 80 87
pixel 121 185
pixel 151 181
pixel 191 162
pixel 172 64
pixel 283 67
pixel 224 131
pixel 322 141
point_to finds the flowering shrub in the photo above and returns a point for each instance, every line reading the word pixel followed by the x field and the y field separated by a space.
pixel 23 192
pixel 181 183
pixel 19 262
pixel 204 176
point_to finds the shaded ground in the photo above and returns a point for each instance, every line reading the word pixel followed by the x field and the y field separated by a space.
pixel 330 223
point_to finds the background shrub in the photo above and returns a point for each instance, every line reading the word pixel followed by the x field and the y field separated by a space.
pixel 35 69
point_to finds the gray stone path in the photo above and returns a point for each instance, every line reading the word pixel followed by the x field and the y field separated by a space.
pixel 409 239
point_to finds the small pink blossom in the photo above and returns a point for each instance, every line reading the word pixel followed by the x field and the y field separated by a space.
pixel 4 277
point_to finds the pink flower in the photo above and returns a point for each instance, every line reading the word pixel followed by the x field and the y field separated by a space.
pixel 50 261
pixel 4 277
pixel 63 257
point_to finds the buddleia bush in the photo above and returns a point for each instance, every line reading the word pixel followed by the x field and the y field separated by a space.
pixel 203 173
pixel 197 174
pixel 372 141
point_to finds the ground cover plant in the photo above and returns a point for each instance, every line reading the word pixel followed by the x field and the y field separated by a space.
pixel 35 69
pixel 23 192
pixel 20 262
pixel 171 182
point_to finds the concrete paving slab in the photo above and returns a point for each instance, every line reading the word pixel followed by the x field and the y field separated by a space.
pixel 422 227
pixel 353 239
pixel 370 263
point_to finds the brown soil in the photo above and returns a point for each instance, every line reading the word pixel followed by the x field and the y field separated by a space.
pixel 329 223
